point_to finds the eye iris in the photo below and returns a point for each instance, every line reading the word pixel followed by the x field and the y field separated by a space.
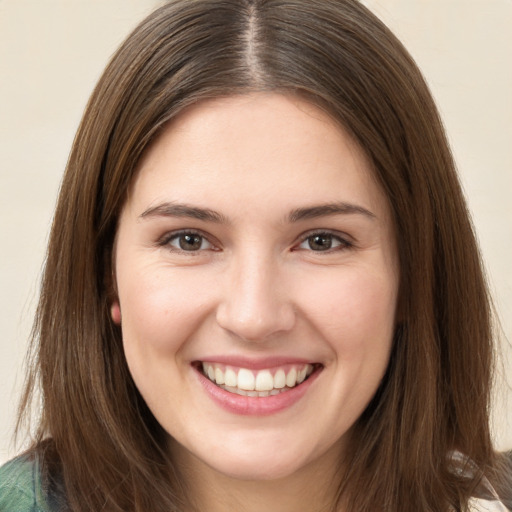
pixel 320 242
pixel 190 242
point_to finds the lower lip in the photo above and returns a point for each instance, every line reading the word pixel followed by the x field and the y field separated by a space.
pixel 255 406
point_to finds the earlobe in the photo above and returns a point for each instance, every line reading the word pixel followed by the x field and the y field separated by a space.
pixel 115 312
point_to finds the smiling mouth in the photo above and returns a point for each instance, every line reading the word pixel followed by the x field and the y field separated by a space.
pixel 257 383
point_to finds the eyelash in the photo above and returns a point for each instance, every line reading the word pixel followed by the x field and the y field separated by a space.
pixel 342 242
pixel 166 240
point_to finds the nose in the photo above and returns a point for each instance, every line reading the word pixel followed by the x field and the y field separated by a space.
pixel 255 303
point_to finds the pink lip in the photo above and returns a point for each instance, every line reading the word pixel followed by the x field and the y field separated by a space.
pixel 254 406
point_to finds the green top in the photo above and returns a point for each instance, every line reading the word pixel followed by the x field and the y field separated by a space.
pixel 20 486
pixel 21 490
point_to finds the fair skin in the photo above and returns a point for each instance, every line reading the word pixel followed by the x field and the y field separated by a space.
pixel 255 241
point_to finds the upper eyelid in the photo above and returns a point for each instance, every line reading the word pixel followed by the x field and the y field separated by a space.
pixel 346 242
pixel 169 235
pixel 343 236
pixel 332 232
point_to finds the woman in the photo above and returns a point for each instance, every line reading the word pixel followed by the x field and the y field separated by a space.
pixel 262 288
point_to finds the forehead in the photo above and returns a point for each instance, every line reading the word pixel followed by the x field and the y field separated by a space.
pixel 255 149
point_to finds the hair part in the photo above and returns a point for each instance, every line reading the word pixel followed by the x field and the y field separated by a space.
pixel 337 55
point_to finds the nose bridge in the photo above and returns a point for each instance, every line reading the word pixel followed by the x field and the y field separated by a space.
pixel 255 305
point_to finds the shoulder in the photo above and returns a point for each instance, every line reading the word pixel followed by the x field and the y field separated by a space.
pixel 20 486
pixel 481 505
pixel 486 498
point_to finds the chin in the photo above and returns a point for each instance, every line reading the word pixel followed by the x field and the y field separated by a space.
pixel 257 470
pixel 261 458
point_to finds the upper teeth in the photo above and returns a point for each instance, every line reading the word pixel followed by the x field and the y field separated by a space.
pixel 266 380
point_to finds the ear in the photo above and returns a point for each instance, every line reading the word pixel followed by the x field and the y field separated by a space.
pixel 111 284
pixel 115 312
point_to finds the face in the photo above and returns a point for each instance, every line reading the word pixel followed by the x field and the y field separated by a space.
pixel 256 273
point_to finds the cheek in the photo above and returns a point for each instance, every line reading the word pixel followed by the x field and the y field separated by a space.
pixel 160 310
pixel 355 316
pixel 160 314
pixel 354 312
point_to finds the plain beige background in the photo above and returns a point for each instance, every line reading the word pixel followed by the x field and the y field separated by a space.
pixel 53 51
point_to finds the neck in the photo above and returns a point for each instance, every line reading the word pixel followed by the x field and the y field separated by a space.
pixel 313 488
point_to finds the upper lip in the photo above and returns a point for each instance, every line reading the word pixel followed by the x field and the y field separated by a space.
pixel 253 363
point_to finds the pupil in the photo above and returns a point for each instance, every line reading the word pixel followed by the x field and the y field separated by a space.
pixel 190 242
pixel 320 242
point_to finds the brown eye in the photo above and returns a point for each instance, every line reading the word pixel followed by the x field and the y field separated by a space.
pixel 321 242
pixel 189 242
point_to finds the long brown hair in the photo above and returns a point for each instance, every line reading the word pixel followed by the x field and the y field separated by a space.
pixel 100 436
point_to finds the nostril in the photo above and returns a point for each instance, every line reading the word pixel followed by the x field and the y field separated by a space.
pixel 257 323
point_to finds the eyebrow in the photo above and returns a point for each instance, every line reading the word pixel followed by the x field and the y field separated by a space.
pixel 184 210
pixel 323 210
pixel 205 214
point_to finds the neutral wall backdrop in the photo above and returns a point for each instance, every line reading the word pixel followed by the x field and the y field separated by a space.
pixel 53 51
